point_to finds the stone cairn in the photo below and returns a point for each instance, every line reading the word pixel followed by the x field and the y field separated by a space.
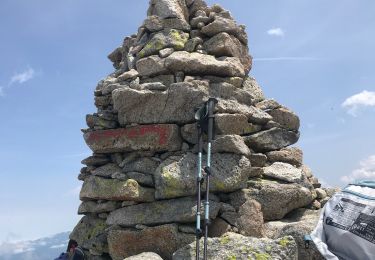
pixel 139 186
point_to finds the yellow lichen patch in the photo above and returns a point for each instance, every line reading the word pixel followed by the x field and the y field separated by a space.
pixel 172 185
pixel 262 256
pixel 284 241
pixel 131 188
pixel 217 184
pixel 231 257
pixel 224 240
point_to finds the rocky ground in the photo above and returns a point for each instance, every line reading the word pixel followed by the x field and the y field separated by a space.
pixel 139 184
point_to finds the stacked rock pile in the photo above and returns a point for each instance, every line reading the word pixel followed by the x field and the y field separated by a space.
pixel 139 184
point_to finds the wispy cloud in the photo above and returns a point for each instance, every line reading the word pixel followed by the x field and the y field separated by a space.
pixel 18 78
pixel 361 100
pixel 287 59
pixel 276 32
pixel 366 170
pixel 23 76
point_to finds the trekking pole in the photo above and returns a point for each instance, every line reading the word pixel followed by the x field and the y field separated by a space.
pixel 210 132
pixel 198 231
pixel 205 122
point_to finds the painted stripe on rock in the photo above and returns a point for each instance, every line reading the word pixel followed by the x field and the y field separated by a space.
pixel 144 137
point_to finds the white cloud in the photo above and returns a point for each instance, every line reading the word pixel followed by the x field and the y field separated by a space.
pixel 276 32
pixel 15 248
pixel 354 103
pixel 23 76
pixel 366 170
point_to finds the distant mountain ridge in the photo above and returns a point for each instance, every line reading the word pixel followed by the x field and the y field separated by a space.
pixel 40 249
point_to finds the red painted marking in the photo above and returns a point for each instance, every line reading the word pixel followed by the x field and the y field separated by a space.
pixel 162 132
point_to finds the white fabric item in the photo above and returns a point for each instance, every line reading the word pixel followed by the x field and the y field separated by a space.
pixel 346 228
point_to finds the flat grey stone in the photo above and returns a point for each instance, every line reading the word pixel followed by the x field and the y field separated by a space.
pixel 180 210
pixel 272 139
pixel 204 64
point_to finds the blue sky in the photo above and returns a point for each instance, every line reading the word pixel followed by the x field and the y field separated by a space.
pixel 316 57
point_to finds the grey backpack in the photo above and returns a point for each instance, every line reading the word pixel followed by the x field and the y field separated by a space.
pixel 346 228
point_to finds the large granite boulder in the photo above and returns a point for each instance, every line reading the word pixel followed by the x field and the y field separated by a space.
pixel 277 199
pixel 112 189
pixel 176 176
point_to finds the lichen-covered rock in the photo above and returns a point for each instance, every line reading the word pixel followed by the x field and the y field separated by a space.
pixel 277 199
pixel 171 38
pixel 163 240
pixel 143 137
pixel 89 233
pixel 112 189
pixel 236 246
pixel 196 64
pixel 297 224
pixel 272 139
pixel 180 210
pixel 176 176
